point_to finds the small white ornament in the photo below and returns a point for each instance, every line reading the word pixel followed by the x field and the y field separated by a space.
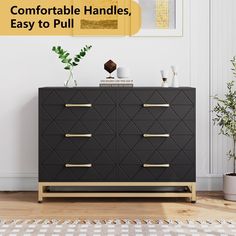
pixel 123 72
pixel 175 80
pixel 164 75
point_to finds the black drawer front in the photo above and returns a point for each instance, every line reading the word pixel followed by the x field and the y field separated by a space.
pixel 149 104
pixel 116 173
pixel 122 127
pixel 74 104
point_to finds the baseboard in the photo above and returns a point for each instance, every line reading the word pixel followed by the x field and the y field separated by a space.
pixel 18 183
pixel 210 183
pixel 29 183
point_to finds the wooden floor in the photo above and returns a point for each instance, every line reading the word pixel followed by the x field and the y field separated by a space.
pixel 24 205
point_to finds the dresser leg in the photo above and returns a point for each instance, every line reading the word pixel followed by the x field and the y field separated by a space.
pixel 41 189
pixel 193 191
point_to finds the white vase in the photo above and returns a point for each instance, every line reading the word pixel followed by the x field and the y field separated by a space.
pixel 70 82
pixel 123 72
pixel 229 186
pixel 175 81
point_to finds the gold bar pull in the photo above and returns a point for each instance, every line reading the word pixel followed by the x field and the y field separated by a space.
pixel 78 165
pixel 78 135
pixel 156 135
pixel 156 165
pixel 156 105
pixel 78 105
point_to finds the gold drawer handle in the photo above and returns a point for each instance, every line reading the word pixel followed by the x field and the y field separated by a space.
pixel 156 135
pixel 156 105
pixel 78 135
pixel 156 165
pixel 78 105
pixel 78 165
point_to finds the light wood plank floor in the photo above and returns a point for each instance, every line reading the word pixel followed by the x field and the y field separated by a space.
pixel 24 205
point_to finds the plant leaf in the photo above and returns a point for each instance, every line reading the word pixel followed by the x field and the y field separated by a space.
pixel 82 54
pixel 63 55
pixel 66 55
pixel 64 61
pixel 67 68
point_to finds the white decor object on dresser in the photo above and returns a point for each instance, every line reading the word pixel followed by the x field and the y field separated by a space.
pixel 175 79
pixel 123 72
pixel 164 75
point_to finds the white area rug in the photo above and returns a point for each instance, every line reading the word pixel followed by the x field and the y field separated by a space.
pixel 117 228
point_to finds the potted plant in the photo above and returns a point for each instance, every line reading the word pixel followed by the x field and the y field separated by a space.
pixel 225 118
pixel 70 62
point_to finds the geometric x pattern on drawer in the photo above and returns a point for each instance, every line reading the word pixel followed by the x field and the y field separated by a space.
pixel 125 134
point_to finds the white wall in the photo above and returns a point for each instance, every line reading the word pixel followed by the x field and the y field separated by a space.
pixel 28 63
pixel 223 48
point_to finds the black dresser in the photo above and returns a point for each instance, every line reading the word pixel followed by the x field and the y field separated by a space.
pixel 117 137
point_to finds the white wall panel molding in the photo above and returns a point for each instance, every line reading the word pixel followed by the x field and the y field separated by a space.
pixel 213 38
pixel 18 174
pixel 18 183
pixel 210 183
pixel 199 50
pixel 222 48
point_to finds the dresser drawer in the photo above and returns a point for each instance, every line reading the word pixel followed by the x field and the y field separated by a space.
pixel 80 172
pixel 77 103
pixel 174 173
pixel 121 173
pixel 148 104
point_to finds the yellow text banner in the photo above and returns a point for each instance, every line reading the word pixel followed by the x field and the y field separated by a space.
pixel 69 17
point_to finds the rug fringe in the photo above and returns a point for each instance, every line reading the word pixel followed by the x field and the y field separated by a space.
pixel 113 221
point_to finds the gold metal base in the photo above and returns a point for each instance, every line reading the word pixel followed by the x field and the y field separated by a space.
pixel 42 193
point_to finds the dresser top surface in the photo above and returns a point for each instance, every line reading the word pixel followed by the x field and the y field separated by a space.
pixel 118 88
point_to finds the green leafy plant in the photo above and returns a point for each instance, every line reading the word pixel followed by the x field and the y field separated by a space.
pixel 70 62
pixel 225 114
